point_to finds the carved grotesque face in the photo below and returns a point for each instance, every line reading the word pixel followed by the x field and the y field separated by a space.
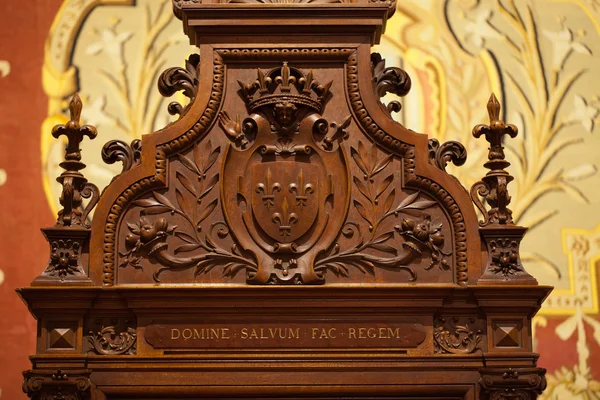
pixel 285 113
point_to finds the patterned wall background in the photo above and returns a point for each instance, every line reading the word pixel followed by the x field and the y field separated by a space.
pixel 541 58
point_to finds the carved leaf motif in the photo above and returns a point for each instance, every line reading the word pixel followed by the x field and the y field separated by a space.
pixel 384 185
pixel 421 205
pixel 188 163
pixel 146 203
pixel 358 160
pixel 382 164
pixel 185 237
pixel 207 211
pixel 389 202
pixel 156 210
pixel 187 247
pixel 163 200
pixel 212 158
pixel 373 159
pixel 363 211
pixel 407 201
pixel 361 187
pixel 209 186
pixel 181 200
pixel 185 181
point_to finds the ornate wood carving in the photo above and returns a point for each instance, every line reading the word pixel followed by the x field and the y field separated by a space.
pixel 285 169
pixel 175 79
pixel 58 384
pixel 118 150
pixel 149 183
pixel 389 80
pixel 441 154
pixel 108 341
pixel 456 335
pixel 512 383
pixel 75 186
pixel 69 238
pixel 500 235
pixel 493 187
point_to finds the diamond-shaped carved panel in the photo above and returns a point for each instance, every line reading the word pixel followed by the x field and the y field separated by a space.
pixel 507 333
pixel 62 336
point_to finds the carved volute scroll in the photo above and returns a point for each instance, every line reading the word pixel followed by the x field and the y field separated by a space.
pixel 285 235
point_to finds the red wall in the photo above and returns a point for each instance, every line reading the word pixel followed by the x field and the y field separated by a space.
pixel 24 26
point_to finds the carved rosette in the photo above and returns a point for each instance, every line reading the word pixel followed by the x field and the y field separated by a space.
pixel 58 384
pixel 65 254
pixel 512 383
pixel 504 262
pixel 456 335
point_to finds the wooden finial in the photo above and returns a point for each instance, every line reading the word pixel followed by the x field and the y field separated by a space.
pixel 74 133
pixel 493 187
pixel 75 185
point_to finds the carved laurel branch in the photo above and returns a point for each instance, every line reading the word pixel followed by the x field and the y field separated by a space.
pixel 456 338
pixel 148 239
pixel 441 154
pixel 407 152
pixel 422 236
pixel 389 80
pixel 153 182
pixel 118 150
pixel 175 79
pixel 110 342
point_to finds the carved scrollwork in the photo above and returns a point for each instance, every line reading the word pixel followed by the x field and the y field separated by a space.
pixel 421 235
pixel 175 79
pixel 389 80
pixel 108 341
pixel 441 154
pixel 58 385
pixel 118 150
pixel 456 335
pixel 512 383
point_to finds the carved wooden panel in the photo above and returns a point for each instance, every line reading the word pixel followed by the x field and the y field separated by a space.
pixel 285 188
pixel 285 236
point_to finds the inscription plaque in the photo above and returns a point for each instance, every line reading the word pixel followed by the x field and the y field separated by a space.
pixel 317 334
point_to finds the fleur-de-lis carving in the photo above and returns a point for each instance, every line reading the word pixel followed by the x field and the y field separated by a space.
pixel 268 190
pixel 285 219
pixel 285 79
pixel 301 190
pixel 263 82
